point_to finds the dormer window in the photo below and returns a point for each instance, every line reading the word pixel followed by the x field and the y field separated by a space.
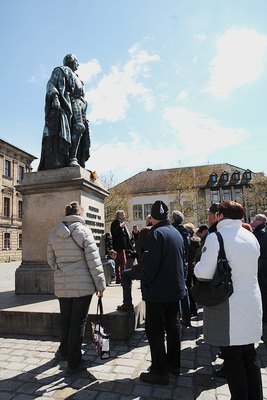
pixel 213 177
pixel 224 177
pixel 247 175
pixel 236 176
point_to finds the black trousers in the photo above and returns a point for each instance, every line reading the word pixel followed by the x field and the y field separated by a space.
pixel 161 318
pixel 243 372
pixel 73 315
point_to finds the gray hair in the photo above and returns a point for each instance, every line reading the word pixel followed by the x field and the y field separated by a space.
pixel 119 212
pixel 177 216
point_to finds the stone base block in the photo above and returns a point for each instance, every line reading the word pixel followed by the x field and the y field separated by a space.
pixel 34 279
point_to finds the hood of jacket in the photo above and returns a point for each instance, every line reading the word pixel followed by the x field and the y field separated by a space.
pixel 64 228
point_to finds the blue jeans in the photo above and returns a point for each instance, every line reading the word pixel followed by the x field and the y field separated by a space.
pixel 73 315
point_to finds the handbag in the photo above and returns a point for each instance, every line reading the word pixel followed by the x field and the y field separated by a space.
pixel 220 287
pixel 100 338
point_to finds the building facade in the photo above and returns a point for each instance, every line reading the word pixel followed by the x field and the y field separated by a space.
pixel 14 163
pixel 189 189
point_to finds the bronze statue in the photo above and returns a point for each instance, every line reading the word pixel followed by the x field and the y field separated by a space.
pixel 66 137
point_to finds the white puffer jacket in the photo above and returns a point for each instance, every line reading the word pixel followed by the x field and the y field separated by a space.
pixel 78 271
pixel 237 321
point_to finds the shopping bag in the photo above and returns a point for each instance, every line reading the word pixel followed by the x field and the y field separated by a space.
pixel 100 338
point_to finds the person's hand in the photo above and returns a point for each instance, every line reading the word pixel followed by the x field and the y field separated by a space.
pixel 99 294
pixel 56 103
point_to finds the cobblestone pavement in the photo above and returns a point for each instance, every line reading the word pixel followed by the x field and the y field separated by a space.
pixel 29 371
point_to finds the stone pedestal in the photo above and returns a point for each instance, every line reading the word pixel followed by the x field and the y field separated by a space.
pixel 44 195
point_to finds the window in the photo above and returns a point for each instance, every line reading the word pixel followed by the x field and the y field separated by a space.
pixel 226 194
pixel 147 209
pixel 7 168
pixel 238 194
pixel 20 209
pixel 21 173
pixel 247 174
pixel 7 241
pixel 20 241
pixel 213 177
pixel 214 196
pixel 137 212
pixel 224 177
pixel 236 176
pixel 6 207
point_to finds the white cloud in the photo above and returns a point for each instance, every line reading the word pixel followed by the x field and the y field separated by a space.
pixel 130 156
pixel 109 100
pixel 182 95
pixel 89 70
pixel 200 136
pixel 192 139
pixel 239 61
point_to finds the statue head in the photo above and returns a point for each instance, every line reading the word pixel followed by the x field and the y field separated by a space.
pixel 70 60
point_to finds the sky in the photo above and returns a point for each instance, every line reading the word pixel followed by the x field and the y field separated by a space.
pixel 169 83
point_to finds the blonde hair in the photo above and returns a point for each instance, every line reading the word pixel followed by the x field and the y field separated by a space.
pixel 73 208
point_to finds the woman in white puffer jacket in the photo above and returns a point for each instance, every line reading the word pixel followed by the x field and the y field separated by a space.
pixel 78 273
pixel 235 325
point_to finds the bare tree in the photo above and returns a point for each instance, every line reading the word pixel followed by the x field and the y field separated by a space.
pixel 257 194
pixel 187 196
pixel 117 200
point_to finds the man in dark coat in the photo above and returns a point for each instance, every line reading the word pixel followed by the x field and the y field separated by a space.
pixel 121 242
pixel 134 273
pixel 259 229
pixel 213 217
pixel 176 219
pixel 162 288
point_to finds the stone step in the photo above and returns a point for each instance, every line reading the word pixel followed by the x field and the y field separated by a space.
pixel 39 314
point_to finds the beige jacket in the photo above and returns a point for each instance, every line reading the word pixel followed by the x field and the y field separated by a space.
pixel 78 271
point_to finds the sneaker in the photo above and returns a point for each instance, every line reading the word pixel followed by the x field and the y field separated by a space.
pixel 156 379
pixel 125 308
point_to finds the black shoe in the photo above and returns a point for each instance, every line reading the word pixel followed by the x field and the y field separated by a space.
pixel 174 371
pixel 82 367
pixel 59 356
pixel 156 379
pixel 221 373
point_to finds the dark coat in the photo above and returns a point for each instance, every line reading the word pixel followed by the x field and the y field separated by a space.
pixel 120 237
pixel 163 265
pixel 261 234
pixel 186 238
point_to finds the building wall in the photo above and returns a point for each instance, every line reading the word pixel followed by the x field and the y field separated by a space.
pixel 198 214
pixel 10 217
